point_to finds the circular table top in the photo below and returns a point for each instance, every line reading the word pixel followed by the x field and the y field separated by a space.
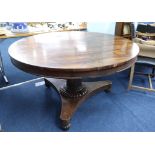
pixel 72 54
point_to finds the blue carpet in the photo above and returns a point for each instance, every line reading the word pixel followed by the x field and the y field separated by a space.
pixel 13 74
pixel 31 108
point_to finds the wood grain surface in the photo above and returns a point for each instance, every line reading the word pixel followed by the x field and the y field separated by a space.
pixel 73 54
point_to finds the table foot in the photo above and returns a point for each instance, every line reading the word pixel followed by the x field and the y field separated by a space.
pixel 71 100
pixel 65 124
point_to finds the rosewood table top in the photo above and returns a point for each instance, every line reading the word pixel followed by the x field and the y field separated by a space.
pixel 72 54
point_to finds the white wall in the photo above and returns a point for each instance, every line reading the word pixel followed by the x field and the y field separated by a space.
pixel 103 27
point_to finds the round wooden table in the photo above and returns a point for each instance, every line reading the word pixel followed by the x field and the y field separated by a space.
pixel 65 58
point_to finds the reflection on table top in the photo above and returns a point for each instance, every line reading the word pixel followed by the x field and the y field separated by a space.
pixel 73 51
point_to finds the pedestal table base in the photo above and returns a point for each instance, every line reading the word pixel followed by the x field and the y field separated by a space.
pixel 73 92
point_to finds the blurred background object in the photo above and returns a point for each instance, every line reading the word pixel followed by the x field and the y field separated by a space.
pixel 19 27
